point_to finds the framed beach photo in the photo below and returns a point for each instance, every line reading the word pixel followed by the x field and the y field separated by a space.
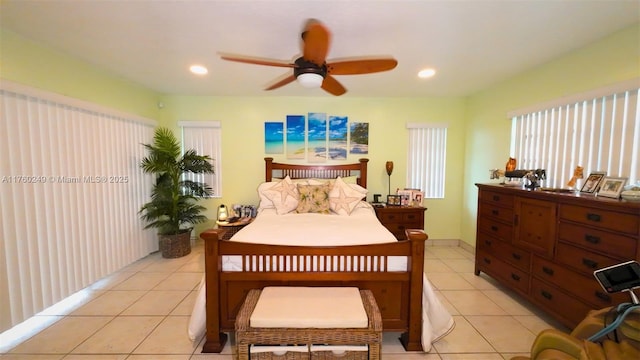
pixel 590 185
pixel 612 187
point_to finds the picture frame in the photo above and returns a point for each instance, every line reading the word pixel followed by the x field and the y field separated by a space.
pixel 405 197
pixel 417 197
pixel 612 187
pixel 592 182
pixel 394 200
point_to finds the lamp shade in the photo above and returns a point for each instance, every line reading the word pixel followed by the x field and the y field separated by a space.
pixel 389 167
pixel 310 80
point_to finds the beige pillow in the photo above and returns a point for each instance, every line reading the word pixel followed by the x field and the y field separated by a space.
pixel 343 197
pixel 313 199
pixel 283 195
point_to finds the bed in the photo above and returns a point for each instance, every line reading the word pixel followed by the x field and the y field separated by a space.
pixel 391 269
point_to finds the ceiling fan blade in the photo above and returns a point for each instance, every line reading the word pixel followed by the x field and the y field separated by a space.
pixel 332 86
pixel 256 60
pixel 281 83
pixel 315 39
pixel 360 66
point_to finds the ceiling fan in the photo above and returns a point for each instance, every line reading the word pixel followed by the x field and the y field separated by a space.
pixel 312 69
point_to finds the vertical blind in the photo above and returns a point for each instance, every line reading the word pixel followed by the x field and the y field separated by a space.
pixel 427 158
pixel 599 133
pixel 205 138
pixel 71 189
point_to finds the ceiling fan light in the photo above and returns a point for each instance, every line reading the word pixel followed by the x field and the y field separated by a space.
pixel 310 80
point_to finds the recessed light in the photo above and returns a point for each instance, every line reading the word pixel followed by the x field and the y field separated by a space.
pixel 198 69
pixel 426 73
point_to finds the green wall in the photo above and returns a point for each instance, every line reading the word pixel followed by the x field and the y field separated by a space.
pixel 29 63
pixel 475 122
pixel 243 120
pixel 610 60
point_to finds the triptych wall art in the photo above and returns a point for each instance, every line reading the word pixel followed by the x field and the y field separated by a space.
pixel 316 137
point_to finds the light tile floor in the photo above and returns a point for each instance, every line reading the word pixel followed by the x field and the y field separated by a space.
pixel 142 312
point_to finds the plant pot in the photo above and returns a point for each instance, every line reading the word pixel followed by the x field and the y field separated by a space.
pixel 175 246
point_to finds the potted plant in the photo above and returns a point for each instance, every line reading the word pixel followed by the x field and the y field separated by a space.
pixel 173 204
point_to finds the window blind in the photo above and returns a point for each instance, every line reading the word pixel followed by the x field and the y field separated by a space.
pixel 205 138
pixel 600 133
pixel 71 188
pixel 426 164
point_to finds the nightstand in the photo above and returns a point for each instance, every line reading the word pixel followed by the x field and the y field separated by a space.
pixel 399 218
pixel 233 227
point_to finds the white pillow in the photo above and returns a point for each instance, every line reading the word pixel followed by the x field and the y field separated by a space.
pixel 284 196
pixel 265 203
pixel 343 197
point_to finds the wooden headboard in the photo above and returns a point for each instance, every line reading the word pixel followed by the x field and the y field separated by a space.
pixel 297 171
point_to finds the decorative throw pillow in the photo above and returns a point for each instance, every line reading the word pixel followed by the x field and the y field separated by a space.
pixel 283 195
pixel 265 202
pixel 343 197
pixel 313 199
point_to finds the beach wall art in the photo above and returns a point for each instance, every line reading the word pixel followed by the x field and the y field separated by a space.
pixel 273 138
pixel 316 137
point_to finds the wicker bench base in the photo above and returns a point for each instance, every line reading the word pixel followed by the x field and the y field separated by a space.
pixel 371 335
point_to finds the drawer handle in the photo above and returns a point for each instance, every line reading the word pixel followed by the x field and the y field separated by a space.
pixel 593 217
pixel 589 263
pixel 592 239
pixel 548 271
pixel 488 242
pixel 496 198
pixel 603 296
pixel 488 261
pixel 516 256
pixel 495 212
pixel 546 295
pixel 410 216
pixel 515 277
pixel 494 228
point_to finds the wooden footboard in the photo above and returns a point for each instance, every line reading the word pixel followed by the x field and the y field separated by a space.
pixel 398 293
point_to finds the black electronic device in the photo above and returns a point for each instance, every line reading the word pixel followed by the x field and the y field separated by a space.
pixel 619 277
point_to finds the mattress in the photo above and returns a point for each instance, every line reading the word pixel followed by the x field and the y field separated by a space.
pixel 309 229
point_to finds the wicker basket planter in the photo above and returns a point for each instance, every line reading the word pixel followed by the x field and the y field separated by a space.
pixel 175 246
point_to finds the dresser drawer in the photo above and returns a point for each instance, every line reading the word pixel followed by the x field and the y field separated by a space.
pixel 598 240
pixel 512 276
pixel 411 218
pixel 626 223
pixel 497 212
pixel 565 307
pixel 505 251
pixel 496 198
pixel 497 229
pixel 584 287
pixel 583 260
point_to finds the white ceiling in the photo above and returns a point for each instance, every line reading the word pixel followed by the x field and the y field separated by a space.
pixel 472 44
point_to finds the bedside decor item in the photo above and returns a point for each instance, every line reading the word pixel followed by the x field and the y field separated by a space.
pixel 173 201
pixel 577 174
pixel 389 168
pixel 593 181
pixel 394 200
pixel 511 164
pixel 612 187
pixel 223 215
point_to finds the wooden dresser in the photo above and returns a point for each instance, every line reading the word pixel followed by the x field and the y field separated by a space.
pixel 400 218
pixel 545 246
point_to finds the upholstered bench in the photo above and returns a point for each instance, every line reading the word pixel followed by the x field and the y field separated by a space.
pixel 343 321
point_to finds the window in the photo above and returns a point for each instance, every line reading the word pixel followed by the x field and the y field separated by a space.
pixel 599 131
pixel 427 158
pixel 205 138
pixel 71 189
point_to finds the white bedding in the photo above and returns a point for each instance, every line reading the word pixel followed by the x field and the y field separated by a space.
pixel 361 227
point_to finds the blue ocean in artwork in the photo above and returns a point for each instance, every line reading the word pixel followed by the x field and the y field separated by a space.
pixel 317 137
pixel 273 138
pixel 295 136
